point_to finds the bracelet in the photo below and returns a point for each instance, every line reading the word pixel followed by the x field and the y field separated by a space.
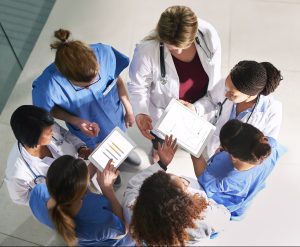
pixel 162 165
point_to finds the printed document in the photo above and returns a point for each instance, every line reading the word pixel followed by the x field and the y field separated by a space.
pixel 191 131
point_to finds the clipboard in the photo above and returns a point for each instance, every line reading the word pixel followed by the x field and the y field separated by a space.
pixel 192 132
pixel 116 146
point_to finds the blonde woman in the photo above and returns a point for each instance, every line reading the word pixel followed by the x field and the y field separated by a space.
pixel 180 60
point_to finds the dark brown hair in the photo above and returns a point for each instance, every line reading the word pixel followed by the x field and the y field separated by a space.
pixel 28 123
pixel 253 78
pixel 163 212
pixel 73 58
pixel 244 141
pixel 67 181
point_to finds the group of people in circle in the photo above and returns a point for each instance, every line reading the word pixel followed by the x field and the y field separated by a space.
pixel 180 59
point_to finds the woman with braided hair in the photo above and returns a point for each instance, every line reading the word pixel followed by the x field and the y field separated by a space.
pixel 246 95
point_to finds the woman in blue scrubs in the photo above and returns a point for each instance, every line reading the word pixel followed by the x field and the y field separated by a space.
pixel 79 216
pixel 235 175
pixel 83 88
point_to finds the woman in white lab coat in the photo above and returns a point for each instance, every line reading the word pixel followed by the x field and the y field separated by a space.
pixel 245 95
pixel 180 60
pixel 39 142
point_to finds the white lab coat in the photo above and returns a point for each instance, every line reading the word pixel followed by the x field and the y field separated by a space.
pixel 215 217
pixel 146 92
pixel 20 180
pixel 267 115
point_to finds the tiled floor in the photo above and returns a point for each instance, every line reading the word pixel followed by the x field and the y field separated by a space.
pixel 264 30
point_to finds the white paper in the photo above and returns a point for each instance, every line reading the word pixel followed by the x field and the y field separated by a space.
pixel 190 130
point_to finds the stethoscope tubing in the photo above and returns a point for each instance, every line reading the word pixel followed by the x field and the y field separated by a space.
pixel 36 177
pixel 163 79
pixel 220 109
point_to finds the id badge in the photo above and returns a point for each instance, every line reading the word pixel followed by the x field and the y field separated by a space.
pixel 110 86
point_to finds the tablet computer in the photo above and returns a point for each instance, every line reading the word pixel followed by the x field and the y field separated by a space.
pixel 192 132
pixel 116 146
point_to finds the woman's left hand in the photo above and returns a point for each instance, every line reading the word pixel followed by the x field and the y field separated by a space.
pixel 167 150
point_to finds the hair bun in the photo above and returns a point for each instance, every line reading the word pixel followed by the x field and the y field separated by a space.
pixel 262 150
pixel 62 35
pixel 273 78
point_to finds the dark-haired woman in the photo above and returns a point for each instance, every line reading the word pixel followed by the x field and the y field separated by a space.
pixel 39 142
pixel 235 175
pixel 167 210
pixel 80 217
pixel 245 95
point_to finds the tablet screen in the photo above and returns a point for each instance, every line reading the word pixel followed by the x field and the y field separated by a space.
pixel 116 146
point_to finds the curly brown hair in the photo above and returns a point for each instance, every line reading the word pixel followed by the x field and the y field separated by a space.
pixel 163 211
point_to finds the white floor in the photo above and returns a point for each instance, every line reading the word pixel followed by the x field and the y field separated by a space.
pixel 263 30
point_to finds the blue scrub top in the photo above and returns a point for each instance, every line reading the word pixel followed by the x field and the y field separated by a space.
pixel 99 103
pixel 236 189
pixel 261 106
pixel 96 225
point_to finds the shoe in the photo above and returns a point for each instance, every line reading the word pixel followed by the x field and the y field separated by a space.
pixel 154 156
pixel 118 182
pixel 133 159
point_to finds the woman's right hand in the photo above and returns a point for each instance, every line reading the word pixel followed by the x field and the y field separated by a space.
pixel 107 177
pixel 88 128
pixel 144 122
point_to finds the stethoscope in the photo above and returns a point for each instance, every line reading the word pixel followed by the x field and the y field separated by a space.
pixel 219 109
pixel 38 179
pixel 163 78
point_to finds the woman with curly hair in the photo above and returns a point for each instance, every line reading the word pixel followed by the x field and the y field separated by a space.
pixel 163 209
